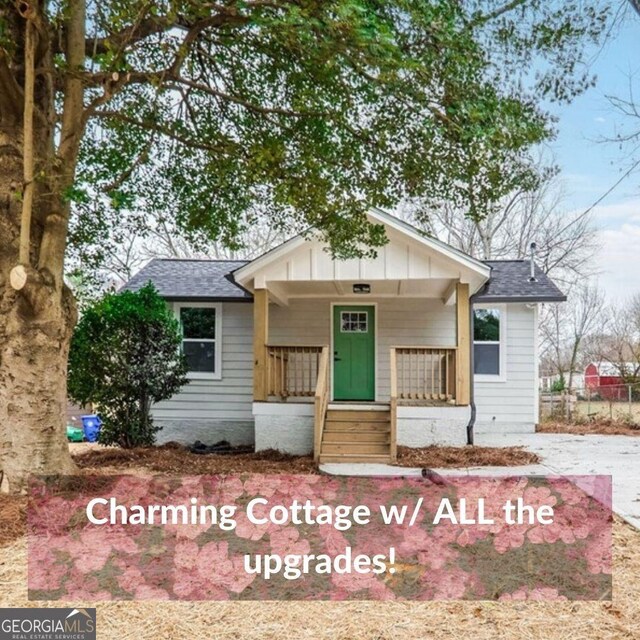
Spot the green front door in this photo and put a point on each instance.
(354, 351)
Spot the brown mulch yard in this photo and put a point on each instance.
(168, 459)
(175, 459)
(436, 457)
(13, 518)
(599, 427)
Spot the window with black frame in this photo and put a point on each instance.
(486, 341)
(199, 338)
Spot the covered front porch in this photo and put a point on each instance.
(352, 358)
(360, 369)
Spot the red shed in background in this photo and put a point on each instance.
(604, 379)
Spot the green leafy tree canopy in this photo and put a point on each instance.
(315, 110)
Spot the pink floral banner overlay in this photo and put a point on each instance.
(314, 537)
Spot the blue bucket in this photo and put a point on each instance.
(91, 425)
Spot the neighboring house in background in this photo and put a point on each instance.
(577, 380)
(604, 379)
(299, 352)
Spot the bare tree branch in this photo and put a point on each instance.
(565, 242)
(496, 13)
(565, 328)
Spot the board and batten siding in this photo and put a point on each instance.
(212, 410)
(511, 405)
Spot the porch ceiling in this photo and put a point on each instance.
(442, 288)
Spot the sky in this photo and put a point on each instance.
(590, 166)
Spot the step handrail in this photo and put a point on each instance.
(321, 402)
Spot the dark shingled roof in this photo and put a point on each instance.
(211, 280)
(206, 280)
(509, 282)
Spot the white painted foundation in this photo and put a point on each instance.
(497, 428)
(237, 433)
(284, 426)
(288, 427)
(424, 426)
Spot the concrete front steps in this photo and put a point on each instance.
(356, 434)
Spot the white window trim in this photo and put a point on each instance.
(204, 375)
(502, 343)
(366, 315)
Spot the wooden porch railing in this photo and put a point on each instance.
(321, 402)
(424, 373)
(292, 371)
(393, 406)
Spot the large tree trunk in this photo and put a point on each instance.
(36, 319)
(35, 331)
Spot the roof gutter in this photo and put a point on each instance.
(232, 279)
(515, 299)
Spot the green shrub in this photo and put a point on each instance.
(559, 385)
(125, 355)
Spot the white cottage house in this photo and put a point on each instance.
(347, 359)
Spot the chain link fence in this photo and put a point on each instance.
(619, 402)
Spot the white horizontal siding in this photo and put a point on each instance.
(303, 322)
(408, 322)
(512, 402)
(400, 321)
(230, 398)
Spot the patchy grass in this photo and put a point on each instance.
(620, 411)
(360, 620)
(596, 427)
(178, 460)
(438, 457)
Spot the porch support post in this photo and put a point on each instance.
(260, 340)
(463, 360)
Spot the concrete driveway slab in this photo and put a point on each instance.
(567, 454)
(561, 454)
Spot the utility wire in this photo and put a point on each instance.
(587, 211)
